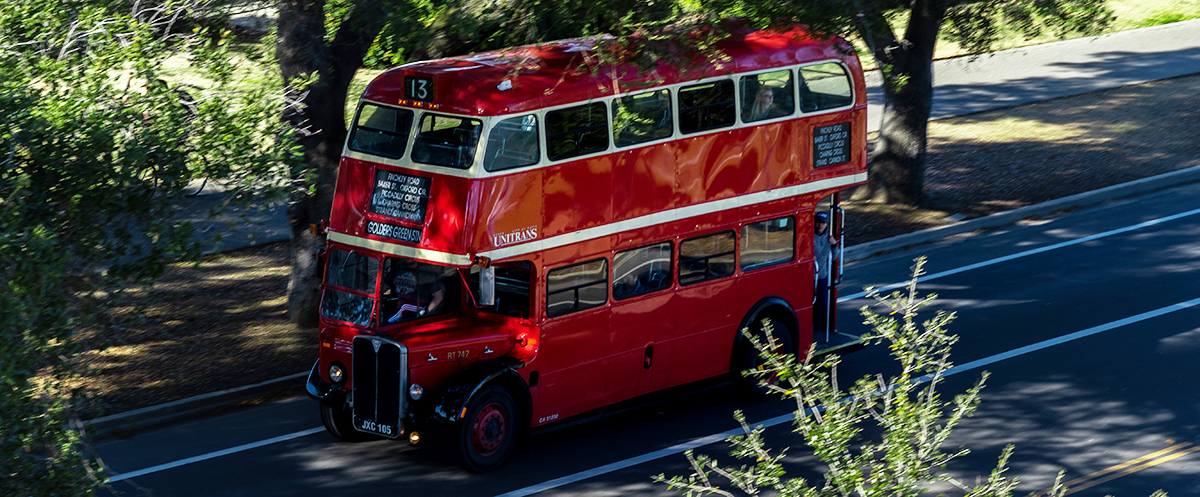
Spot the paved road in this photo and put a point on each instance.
(962, 86)
(1078, 317)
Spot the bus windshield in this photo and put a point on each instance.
(354, 272)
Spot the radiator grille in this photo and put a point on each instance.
(378, 373)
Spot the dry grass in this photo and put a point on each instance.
(201, 328)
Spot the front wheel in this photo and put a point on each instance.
(487, 433)
(338, 423)
(748, 358)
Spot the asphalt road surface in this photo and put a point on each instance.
(1089, 323)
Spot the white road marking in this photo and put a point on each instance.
(211, 455)
(1027, 253)
(785, 418)
(699, 442)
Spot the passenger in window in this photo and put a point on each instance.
(823, 245)
(628, 286)
(764, 104)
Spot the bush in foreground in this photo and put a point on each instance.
(908, 412)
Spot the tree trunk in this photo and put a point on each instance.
(897, 164)
(318, 113)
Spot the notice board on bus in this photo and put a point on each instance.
(402, 196)
(831, 145)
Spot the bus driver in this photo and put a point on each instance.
(413, 292)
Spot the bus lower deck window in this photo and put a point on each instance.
(706, 258)
(576, 287)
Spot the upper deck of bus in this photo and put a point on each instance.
(570, 71)
(448, 210)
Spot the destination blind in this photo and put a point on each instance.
(831, 145)
(401, 196)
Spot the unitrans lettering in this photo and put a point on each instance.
(518, 236)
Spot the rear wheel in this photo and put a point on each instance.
(338, 423)
(487, 433)
(748, 358)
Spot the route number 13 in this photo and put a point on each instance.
(418, 88)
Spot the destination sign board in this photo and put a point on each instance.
(831, 145)
(402, 196)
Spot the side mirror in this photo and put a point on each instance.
(487, 286)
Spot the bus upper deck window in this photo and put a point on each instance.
(706, 106)
(446, 141)
(575, 131)
(767, 96)
(824, 86)
(381, 130)
(642, 118)
(512, 143)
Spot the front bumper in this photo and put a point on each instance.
(323, 391)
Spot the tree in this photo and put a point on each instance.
(95, 145)
(906, 410)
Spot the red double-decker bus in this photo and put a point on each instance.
(521, 236)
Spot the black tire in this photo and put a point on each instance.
(486, 435)
(747, 358)
(338, 423)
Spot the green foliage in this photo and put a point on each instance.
(423, 29)
(1165, 18)
(976, 27)
(95, 145)
(912, 418)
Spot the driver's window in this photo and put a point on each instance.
(513, 283)
(413, 289)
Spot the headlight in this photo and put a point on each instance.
(415, 391)
(336, 373)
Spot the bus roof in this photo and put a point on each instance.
(527, 78)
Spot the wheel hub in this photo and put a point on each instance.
(487, 433)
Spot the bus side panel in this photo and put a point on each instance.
(573, 348)
(571, 365)
(508, 207)
(765, 161)
(643, 181)
(577, 195)
(783, 145)
(637, 323)
(351, 195)
(705, 320)
(446, 216)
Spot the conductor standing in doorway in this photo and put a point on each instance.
(823, 244)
